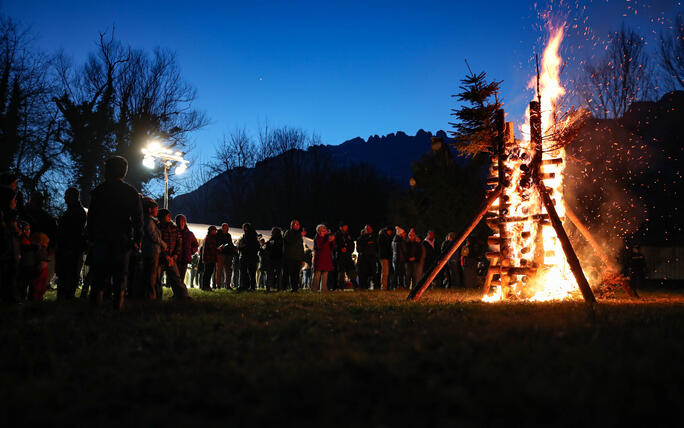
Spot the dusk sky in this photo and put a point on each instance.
(340, 69)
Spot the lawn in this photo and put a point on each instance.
(343, 359)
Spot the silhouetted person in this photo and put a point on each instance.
(248, 247)
(399, 248)
(224, 257)
(152, 247)
(344, 263)
(115, 228)
(188, 248)
(71, 245)
(385, 255)
(414, 253)
(453, 270)
(367, 247)
(209, 255)
(170, 256)
(430, 252)
(274, 248)
(293, 256)
(637, 268)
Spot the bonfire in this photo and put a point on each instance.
(531, 257)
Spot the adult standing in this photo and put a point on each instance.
(188, 249)
(322, 258)
(468, 266)
(385, 255)
(453, 269)
(71, 245)
(274, 249)
(293, 256)
(248, 248)
(152, 246)
(637, 268)
(344, 263)
(170, 256)
(209, 257)
(399, 248)
(114, 228)
(414, 253)
(429, 254)
(367, 247)
(224, 257)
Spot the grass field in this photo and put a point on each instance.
(343, 359)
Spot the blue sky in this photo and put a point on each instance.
(340, 69)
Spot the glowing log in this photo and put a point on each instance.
(438, 265)
(570, 255)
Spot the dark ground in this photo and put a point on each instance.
(343, 359)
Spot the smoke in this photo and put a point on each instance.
(606, 169)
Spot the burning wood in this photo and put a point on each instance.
(531, 255)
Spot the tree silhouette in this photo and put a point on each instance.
(475, 131)
(622, 76)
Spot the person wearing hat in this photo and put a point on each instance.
(344, 264)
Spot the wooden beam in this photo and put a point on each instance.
(570, 255)
(607, 261)
(427, 278)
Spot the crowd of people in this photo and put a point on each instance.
(124, 246)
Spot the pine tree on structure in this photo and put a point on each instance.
(475, 131)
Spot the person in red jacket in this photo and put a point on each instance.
(189, 247)
(322, 258)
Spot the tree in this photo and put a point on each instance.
(622, 76)
(475, 131)
(152, 101)
(671, 56)
(234, 159)
(444, 192)
(87, 111)
(116, 102)
(28, 120)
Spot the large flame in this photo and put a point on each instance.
(553, 279)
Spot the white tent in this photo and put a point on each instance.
(200, 231)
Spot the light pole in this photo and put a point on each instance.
(153, 151)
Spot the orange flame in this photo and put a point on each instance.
(553, 280)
